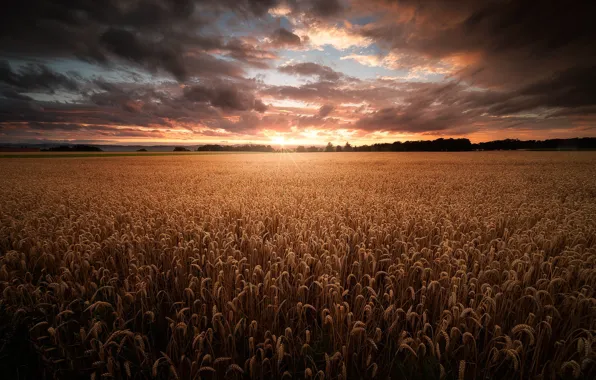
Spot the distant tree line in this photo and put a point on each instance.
(73, 148)
(460, 145)
(586, 143)
(302, 149)
(235, 148)
(438, 145)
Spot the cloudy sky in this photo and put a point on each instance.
(307, 72)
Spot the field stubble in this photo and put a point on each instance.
(326, 266)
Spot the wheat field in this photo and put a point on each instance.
(299, 266)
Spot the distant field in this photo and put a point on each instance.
(478, 265)
(105, 154)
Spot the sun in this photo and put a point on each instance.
(279, 140)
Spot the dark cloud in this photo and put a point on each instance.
(111, 95)
(572, 88)
(38, 126)
(518, 57)
(318, 9)
(206, 65)
(325, 73)
(34, 78)
(569, 92)
(12, 95)
(425, 108)
(248, 53)
(225, 96)
(154, 34)
(128, 45)
(246, 124)
(325, 110)
(255, 7)
(344, 91)
(99, 130)
(318, 92)
(107, 104)
(498, 43)
(326, 8)
(435, 107)
(146, 112)
(406, 119)
(284, 38)
(176, 37)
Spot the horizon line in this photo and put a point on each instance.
(271, 143)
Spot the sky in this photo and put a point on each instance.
(295, 72)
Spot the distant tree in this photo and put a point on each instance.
(329, 148)
(338, 148)
(301, 149)
(464, 145)
(235, 148)
(73, 148)
(348, 147)
(312, 149)
(141, 150)
(210, 148)
(181, 149)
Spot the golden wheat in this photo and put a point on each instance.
(363, 265)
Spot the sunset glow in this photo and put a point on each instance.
(305, 72)
(279, 140)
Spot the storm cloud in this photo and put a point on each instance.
(247, 69)
(311, 69)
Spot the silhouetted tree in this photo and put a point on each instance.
(550, 144)
(73, 148)
(439, 145)
(181, 149)
(235, 148)
(210, 148)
